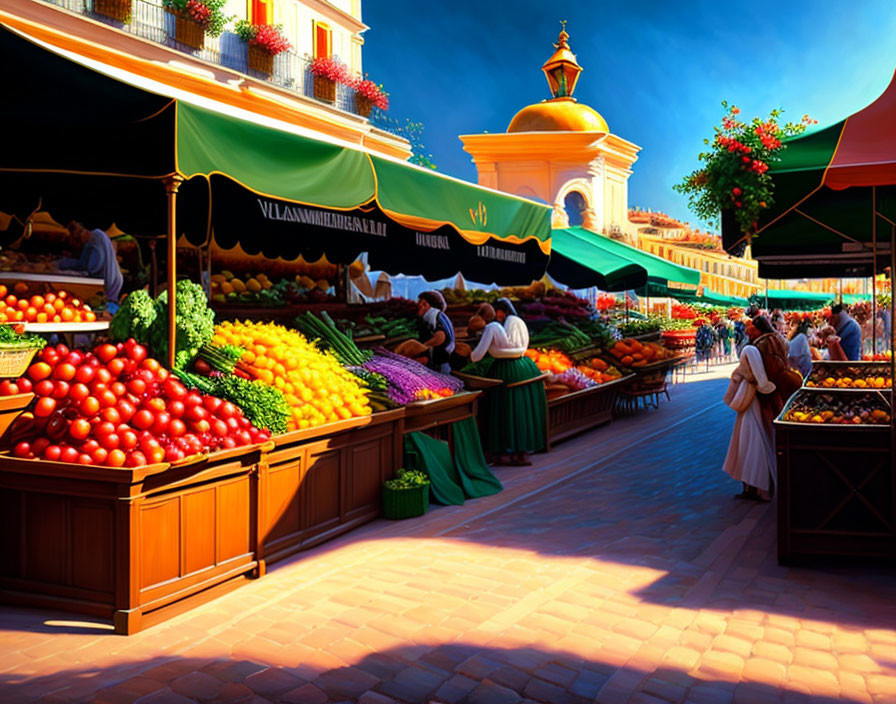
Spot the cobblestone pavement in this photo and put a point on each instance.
(617, 569)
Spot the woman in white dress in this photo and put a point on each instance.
(751, 454)
(516, 412)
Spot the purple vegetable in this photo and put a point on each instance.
(406, 377)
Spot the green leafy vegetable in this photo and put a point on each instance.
(134, 319)
(9, 338)
(407, 479)
(195, 323)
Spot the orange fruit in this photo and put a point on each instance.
(67, 314)
(62, 294)
(48, 308)
(57, 318)
(50, 297)
(90, 316)
(37, 301)
(20, 287)
(11, 301)
(2, 291)
(22, 304)
(31, 314)
(58, 303)
(41, 318)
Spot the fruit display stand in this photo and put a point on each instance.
(321, 482)
(429, 416)
(67, 330)
(81, 286)
(136, 546)
(582, 410)
(836, 482)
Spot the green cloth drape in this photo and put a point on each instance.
(434, 458)
(474, 473)
(453, 479)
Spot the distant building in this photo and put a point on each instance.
(561, 152)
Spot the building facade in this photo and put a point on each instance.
(148, 44)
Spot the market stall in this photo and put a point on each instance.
(833, 444)
(834, 215)
(320, 429)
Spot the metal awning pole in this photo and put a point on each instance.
(892, 362)
(172, 183)
(874, 272)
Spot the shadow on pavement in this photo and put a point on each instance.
(450, 673)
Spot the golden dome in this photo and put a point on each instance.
(558, 115)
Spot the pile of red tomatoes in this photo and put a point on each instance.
(118, 407)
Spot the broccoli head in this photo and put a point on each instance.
(134, 318)
(195, 322)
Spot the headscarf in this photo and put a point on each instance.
(509, 305)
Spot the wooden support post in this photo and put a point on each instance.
(172, 184)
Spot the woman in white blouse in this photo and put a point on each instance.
(516, 413)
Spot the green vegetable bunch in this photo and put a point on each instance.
(407, 479)
(264, 405)
(10, 338)
(195, 323)
(134, 318)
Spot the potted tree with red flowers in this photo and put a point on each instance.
(369, 95)
(327, 72)
(194, 18)
(265, 41)
(733, 178)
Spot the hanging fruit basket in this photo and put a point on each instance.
(261, 60)
(325, 89)
(118, 10)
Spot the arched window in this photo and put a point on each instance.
(574, 204)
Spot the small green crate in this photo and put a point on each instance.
(405, 503)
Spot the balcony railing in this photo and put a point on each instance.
(150, 21)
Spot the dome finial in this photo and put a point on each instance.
(562, 70)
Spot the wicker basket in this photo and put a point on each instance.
(363, 105)
(14, 361)
(188, 32)
(325, 89)
(405, 503)
(261, 60)
(118, 10)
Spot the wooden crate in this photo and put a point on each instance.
(322, 482)
(576, 412)
(133, 545)
(835, 492)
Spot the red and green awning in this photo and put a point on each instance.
(827, 185)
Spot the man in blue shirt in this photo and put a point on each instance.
(849, 332)
(97, 258)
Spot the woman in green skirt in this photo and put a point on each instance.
(516, 414)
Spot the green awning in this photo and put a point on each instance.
(664, 278)
(716, 299)
(851, 298)
(581, 263)
(789, 299)
(251, 179)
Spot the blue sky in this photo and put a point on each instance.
(657, 71)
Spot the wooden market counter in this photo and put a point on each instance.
(582, 410)
(138, 546)
(836, 491)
